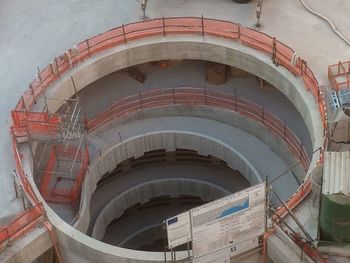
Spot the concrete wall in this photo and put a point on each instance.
(77, 247)
(28, 248)
(256, 129)
(143, 193)
(193, 47)
(168, 140)
(281, 249)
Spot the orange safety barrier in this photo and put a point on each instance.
(48, 186)
(339, 75)
(30, 221)
(195, 96)
(45, 181)
(30, 123)
(21, 224)
(75, 192)
(281, 54)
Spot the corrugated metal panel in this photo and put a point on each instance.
(336, 173)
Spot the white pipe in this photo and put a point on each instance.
(347, 41)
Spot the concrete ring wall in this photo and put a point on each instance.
(193, 47)
(168, 140)
(143, 234)
(76, 246)
(234, 119)
(144, 192)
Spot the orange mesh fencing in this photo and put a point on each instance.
(45, 181)
(48, 183)
(164, 26)
(75, 192)
(34, 123)
(194, 96)
(339, 75)
(21, 224)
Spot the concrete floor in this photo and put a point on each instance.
(33, 32)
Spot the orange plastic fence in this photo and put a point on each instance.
(48, 185)
(163, 26)
(195, 96)
(46, 179)
(339, 75)
(21, 224)
(31, 123)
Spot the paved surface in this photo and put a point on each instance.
(33, 32)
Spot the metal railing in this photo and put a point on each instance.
(196, 96)
(280, 53)
(339, 75)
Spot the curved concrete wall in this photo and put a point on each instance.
(231, 118)
(145, 192)
(168, 140)
(77, 247)
(141, 237)
(193, 47)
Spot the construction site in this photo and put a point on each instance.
(175, 131)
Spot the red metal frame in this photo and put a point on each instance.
(341, 69)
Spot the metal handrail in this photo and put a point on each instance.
(197, 97)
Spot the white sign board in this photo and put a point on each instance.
(178, 230)
(229, 221)
(221, 256)
(244, 246)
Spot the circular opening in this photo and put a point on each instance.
(187, 178)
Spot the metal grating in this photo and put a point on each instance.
(336, 173)
(333, 100)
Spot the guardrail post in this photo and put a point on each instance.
(263, 115)
(239, 31)
(124, 36)
(88, 46)
(32, 91)
(174, 101)
(235, 99)
(303, 67)
(24, 105)
(205, 96)
(39, 76)
(301, 149)
(58, 69)
(140, 99)
(202, 20)
(163, 26)
(274, 51)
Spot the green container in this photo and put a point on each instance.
(335, 218)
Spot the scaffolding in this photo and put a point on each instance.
(339, 75)
(62, 153)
